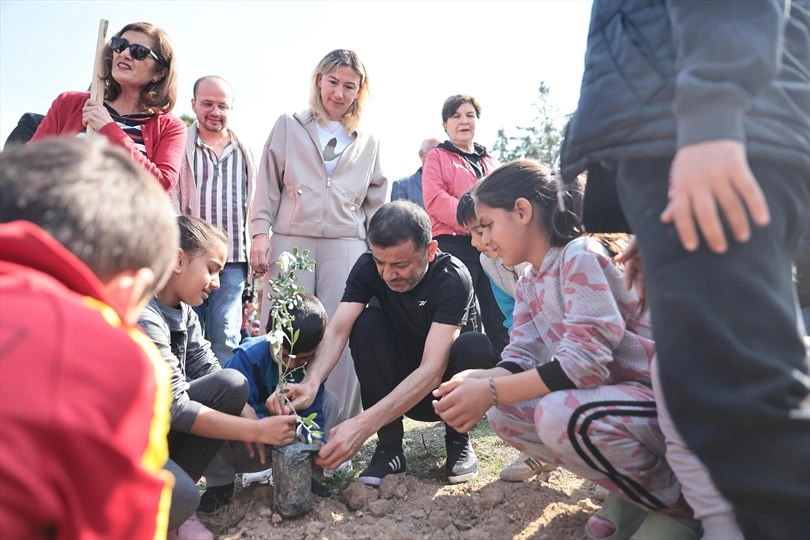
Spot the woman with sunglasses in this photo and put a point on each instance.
(319, 183)
(140, 89)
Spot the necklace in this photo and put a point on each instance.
(335, 125)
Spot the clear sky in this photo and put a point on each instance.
(417, 53)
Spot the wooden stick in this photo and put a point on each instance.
(97, 84)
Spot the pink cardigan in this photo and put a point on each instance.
(164, 136)
(445, 177)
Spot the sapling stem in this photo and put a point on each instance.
(285, 295)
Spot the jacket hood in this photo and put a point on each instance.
(479, 151)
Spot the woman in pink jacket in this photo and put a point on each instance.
(450, 170)
(140, 90)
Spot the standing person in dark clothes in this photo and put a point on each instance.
(701, 110)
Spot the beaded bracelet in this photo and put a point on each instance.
(492, 389)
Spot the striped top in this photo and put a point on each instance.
(129, 124)
(222, 192)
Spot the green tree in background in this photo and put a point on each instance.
(541, 140)
(187, 118)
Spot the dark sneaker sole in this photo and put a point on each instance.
(458, 479)
(374, 481)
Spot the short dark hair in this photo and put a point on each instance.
(465, 210)
(309, 320)
(452, 104)
(198, 236)
(94, 200)
(397, 222)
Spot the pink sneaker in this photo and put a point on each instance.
(192, 529)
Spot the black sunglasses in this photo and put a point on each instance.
(138, 52)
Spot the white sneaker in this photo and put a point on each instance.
(524, 468)
(261, 477)
(343, 469)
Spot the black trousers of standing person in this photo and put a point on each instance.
(492, 317)
(733, 367)
(383, 359)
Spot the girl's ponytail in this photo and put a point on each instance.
(565, 222)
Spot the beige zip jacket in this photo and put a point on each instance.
(294, 195)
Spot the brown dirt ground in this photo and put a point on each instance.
(421, 505)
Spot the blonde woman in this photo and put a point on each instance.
(319, 183)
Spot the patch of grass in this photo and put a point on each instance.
(425, 451)
(425, 454)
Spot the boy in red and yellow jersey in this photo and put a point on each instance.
(87, 237)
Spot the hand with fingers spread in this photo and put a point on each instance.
(710, 180)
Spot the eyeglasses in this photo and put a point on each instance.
(208, 105)
(138, 52)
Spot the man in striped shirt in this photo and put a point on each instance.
(216, 184)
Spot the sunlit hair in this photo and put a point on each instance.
(397, 222)
(452, 104)
(95, 200)
(197, 236)
(339, 57)
(309, 320)
(534, 182)
(156, 97)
